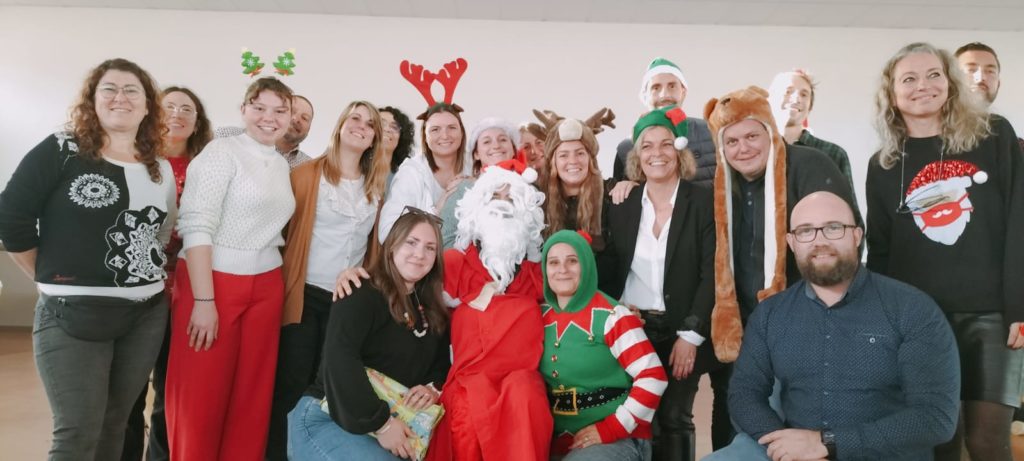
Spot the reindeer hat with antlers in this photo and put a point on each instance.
(561, 130)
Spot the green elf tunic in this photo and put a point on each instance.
(599, 367)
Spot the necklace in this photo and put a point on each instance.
(423, 318)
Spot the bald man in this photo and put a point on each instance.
(868, 365)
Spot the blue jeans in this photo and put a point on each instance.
(313, 435)
(92, 385)
(623, 450)
(742, 448)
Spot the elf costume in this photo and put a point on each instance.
(598, 364)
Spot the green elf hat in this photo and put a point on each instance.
(671, 117)
(656, 67)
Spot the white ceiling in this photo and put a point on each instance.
(992, 15)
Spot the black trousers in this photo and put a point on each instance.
(135, 432)
(674, 417)
(298, 361)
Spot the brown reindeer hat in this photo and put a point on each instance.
(560, 129)
(750, 103)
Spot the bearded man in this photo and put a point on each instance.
(868, 365)
(495, 401)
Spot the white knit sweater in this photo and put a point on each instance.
(237, 198)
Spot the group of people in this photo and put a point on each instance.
(551, 312)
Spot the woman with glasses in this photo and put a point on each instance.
(945, 212)
(229, 290)
(188, 131)
(336, 200)
(398, 132)
(397, 325)
(87, 214)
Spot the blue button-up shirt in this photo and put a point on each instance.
(879, 368)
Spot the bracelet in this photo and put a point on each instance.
(203, 300)
(384, 429)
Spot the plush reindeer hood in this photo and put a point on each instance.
(750, 103)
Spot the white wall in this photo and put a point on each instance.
(572, 68)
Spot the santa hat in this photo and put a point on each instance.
(671, 117)
(747, 104)
(940, 171)
(488, 123)
(659, 66)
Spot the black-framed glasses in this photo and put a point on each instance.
(409, 209)
(831, 231)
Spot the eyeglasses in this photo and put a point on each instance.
(108, 92)
(831, 231)
(409, 209)
(181, 111)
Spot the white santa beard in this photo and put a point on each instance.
(948, 234)
(503, 244)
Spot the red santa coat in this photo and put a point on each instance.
(496, 405)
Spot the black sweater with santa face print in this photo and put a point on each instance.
(99, 226)
(953, 228)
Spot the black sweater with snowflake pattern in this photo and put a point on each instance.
(99, 225)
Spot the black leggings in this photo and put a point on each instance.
(985, 428)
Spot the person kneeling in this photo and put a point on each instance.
(603, 376)
(396, 325)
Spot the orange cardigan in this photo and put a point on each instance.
(306, 185)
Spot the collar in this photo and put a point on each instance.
(647, 202)
(856, 286)
(248, 141)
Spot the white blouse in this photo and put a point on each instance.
(344, 219)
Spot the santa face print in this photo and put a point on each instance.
(443, 134)
(746, 145)
(120, 101)
(572, 162)
(797, 101)
(665, 90)
(939, 200)
(659, 158)
(920, 86)
(493, 146)
(357, 130)
(414, 256)
(179, 116)
(563, 270)
(266, 117)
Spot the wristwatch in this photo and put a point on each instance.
(829, 440)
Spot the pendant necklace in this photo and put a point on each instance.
(423, 318)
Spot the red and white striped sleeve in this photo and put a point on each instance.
(625, 337)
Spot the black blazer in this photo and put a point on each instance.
(689, 287)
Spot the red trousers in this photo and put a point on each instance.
(218, 401)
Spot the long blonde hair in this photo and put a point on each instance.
(372, 164)
(965, 121)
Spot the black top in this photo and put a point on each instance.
(959, 239)
(689, 285)
(361, 333)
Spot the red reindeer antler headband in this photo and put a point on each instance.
(423, 79)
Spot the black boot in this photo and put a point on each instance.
(675, 447)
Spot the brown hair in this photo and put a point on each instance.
(388, 280)
(591, 197)
(372, 165)
(203, 132)
(978, 46)
(460, 153)
(687, 164)
(964, 121)
(91, 137)
(272, 85)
